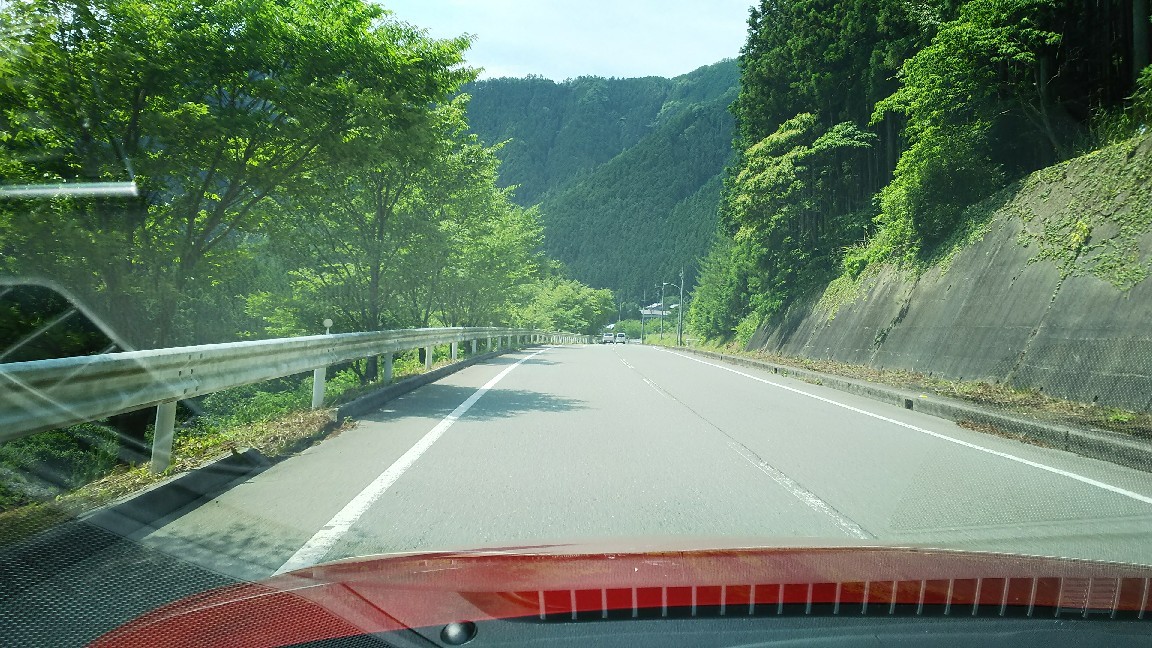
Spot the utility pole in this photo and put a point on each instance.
(680, 315)
(680, 306)
(662, 311)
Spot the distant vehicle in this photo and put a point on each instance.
(621, 338)
(608, 338)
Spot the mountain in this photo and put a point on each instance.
(628, 172)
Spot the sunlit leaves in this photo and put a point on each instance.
(212, 107)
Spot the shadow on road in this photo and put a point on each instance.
(540, 361)
(437, 401)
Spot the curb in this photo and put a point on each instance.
(1097, 444)
(142, 510)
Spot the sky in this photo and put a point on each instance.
(562, 39)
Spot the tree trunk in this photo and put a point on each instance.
(1139, 38)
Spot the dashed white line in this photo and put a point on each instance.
(657, 388)
(322, 542)
(803, 494)
(1056, 471)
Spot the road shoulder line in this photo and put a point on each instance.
(1057, 471)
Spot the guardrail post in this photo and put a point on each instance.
(455, 350)
(388, 368)
(474, 343)
(428, 358)
(318, 387)
(162, 437)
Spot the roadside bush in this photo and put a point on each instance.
(38, 467)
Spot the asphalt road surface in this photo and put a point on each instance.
(588, 443)
(575, 444)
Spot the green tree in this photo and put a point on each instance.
(983, 77)
(210, 107)
(567, 305)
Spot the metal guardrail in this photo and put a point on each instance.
(47, 394)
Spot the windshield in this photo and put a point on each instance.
(284, 283)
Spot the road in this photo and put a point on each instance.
(589, 443)
(564, 444)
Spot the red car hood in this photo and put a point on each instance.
(562, 583)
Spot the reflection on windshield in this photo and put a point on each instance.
(286, 283)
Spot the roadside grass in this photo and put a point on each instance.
(274, 418)
(1027, 402)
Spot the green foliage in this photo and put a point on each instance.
(827, 57)
(1096, 216)
(1127, 121)
(959, 99)
(720, 297)
(210, 107)
(417, 238)
(653, 206)
(567, 305)
(973, 82)
(786, 240)
(255, 403)
(294, 161)
(37, 323)
(627, 171)
(630, 327)
(38, 466)
(936, 178)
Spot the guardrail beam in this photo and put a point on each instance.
(49, 394)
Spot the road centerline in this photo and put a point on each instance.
(795, 489)
(314, 550)
(1004, 455)
(806, 496)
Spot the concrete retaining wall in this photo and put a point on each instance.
(996, 315)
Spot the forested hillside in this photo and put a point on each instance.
(866, 132)
(627, 171)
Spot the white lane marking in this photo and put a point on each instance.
(322, 542)
(1056, 471)
(657, 388)
(626, 363)
(787, 483)
(802, 494)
